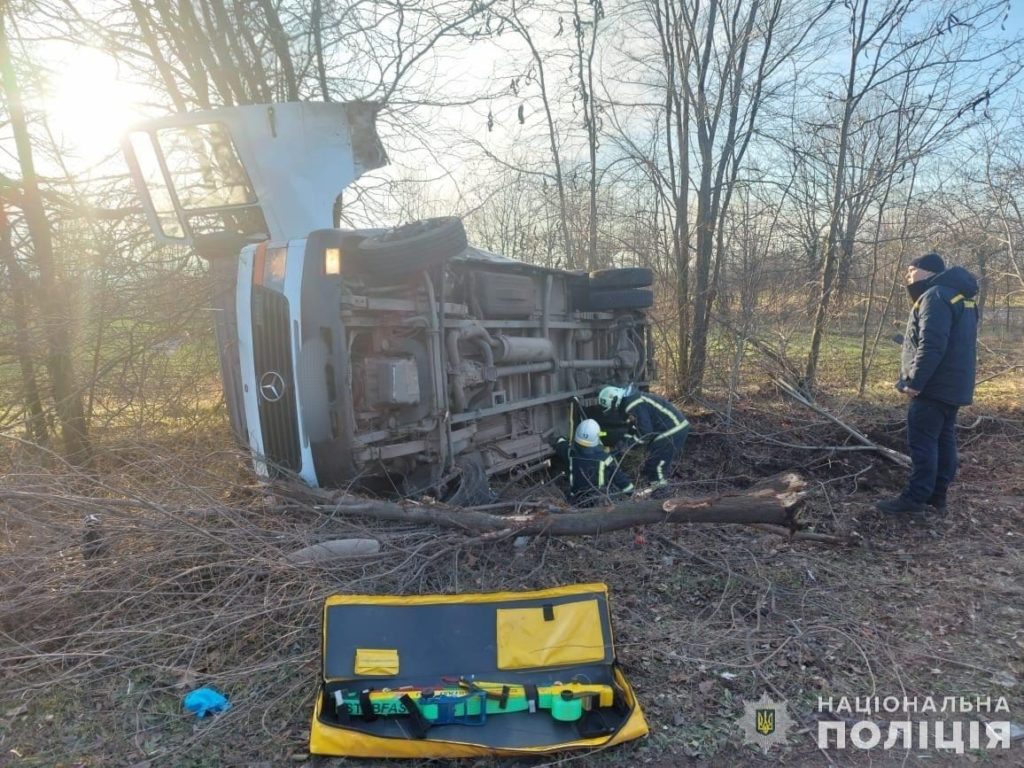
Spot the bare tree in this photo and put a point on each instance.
(52, 290)
(934, 61)
(35, 422)
(586, 48)
(716, 63)
(1004, 183)
(537, 72)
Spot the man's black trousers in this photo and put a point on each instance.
(662, 454)
(931, 437)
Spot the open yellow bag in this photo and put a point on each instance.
(503, 673)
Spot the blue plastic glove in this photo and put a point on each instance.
(204, 700)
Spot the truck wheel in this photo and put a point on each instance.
(413, 247)
(625, 277)
(471, 486)
(626, 298)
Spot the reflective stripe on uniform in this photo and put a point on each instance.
(680, 426)
(662, 409)
(968, 303)
(653, 403)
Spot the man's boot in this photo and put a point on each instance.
(900, 507)
(937, 502)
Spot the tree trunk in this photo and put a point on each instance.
(556, 155)
(166, 73)
(585, 71)
(675, 58)
(681, 242)
(829, 267)
(702, 283)
(35, 424)
(774, 501)
(279, 40)
(316, 21)
(255, 56)
(195, 75)
(200, 42)
(52, 293)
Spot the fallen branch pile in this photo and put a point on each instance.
(894, 456)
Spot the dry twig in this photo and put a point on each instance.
(895, 456)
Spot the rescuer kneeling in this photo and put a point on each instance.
(594, 473)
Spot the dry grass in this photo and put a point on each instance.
(191, 589)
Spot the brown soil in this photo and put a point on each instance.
(188, 588)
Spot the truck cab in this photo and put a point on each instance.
(402, 358)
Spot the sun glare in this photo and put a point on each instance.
(89, 106)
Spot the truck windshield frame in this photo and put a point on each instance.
(208, 185)
(207, 171)
(145, 156)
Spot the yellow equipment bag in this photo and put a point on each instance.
(503, 673)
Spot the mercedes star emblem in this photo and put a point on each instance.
(272, 386)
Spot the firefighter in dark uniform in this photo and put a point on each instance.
(656, 422)
(593, 472)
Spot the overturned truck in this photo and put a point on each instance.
(403, 359)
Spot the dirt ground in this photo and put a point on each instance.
(187, 587)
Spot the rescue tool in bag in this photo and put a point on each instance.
(467, 702)
(532, 673)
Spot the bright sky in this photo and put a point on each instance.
(1015, 22)
(89, 105)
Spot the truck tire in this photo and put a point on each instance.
(412, 247)
(625, 277)
(470, 487)
(625, 298)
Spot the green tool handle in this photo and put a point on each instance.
(565, 706)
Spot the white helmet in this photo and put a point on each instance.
(588, 433)
(610, 397)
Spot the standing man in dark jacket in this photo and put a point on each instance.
(657, 424)
(937, 374)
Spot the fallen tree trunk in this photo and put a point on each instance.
(773, 501)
